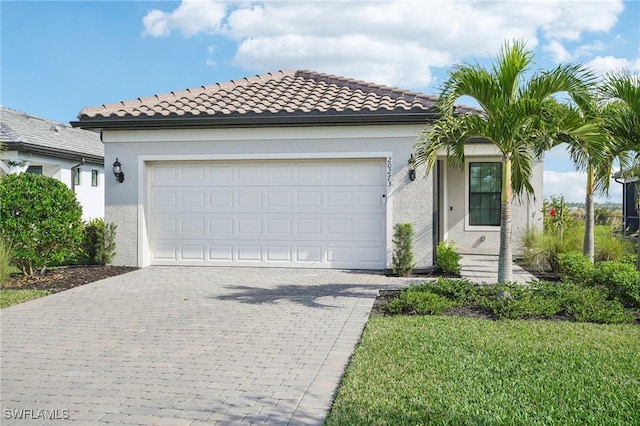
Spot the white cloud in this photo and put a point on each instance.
(395, 42)
(572, 185)
(571, 19)
(604, 64)
(589, 49)
(557, 50)
(190, 18)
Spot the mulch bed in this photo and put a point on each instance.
(64, 278)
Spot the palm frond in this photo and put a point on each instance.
(513, 61)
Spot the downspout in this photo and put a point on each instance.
(73, 181)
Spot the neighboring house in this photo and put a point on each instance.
(290, 169)
(73, 156)
(630, 202)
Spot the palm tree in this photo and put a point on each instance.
(515, 118)
(622, 120)
(591, 151)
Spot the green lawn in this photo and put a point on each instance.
(13, 297)
(438, 370)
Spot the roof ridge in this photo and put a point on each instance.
(38, 117)
(365, 86)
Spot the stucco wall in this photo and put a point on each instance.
(525, 213)
(126, 203)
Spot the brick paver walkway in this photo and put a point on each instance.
(483, 268)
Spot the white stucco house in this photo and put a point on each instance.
(73, 156)
(290, 169)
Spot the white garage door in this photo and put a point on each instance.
(292, 213)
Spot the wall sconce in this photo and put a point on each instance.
(117, 171)
(412, 168)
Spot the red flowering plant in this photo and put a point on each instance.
(555, 215)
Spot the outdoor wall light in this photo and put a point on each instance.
(412, 168)
(117, 171)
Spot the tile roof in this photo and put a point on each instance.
(279, 94)
(28, 131)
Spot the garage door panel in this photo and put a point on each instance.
(320, 213)
(270, 227)
(257, 253)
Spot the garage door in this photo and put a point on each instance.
(291, 213)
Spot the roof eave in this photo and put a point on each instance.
(54, 152)
(245, 121)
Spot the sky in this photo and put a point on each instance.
(57, 57)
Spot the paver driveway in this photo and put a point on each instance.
(186, 346)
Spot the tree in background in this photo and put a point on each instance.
(517, 117)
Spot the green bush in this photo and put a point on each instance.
(41, 219)
(99, 242)
(593, 305)
(460, 291)
(620, 279)
(419, 302)
(403, 260)
(513, 301)
(575, 267)
(447, 258)
(5, 261)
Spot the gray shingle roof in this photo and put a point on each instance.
(27, 132)
(282, 94)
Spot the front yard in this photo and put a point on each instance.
(441, 370)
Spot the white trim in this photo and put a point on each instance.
(389, 208)
(264, 156)
(445, 200)
(144, 252)
(184, 136)
(468, 227)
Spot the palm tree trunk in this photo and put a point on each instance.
(505, 259)
(588, 248)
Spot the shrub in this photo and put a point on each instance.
(513, 301)
(419, 302)
(462, 292)
(593, 305)
(99, 242)
(41, 218)
(620, 279)
(403, 261)
(5, 261)
(575, 267)
(448, 258)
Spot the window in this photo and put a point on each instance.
(485, 182)
(76, 175)
(94, 177)
(36, 170)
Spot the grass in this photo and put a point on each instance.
(439, 370)
(13, 297)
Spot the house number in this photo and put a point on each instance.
(389, 171)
